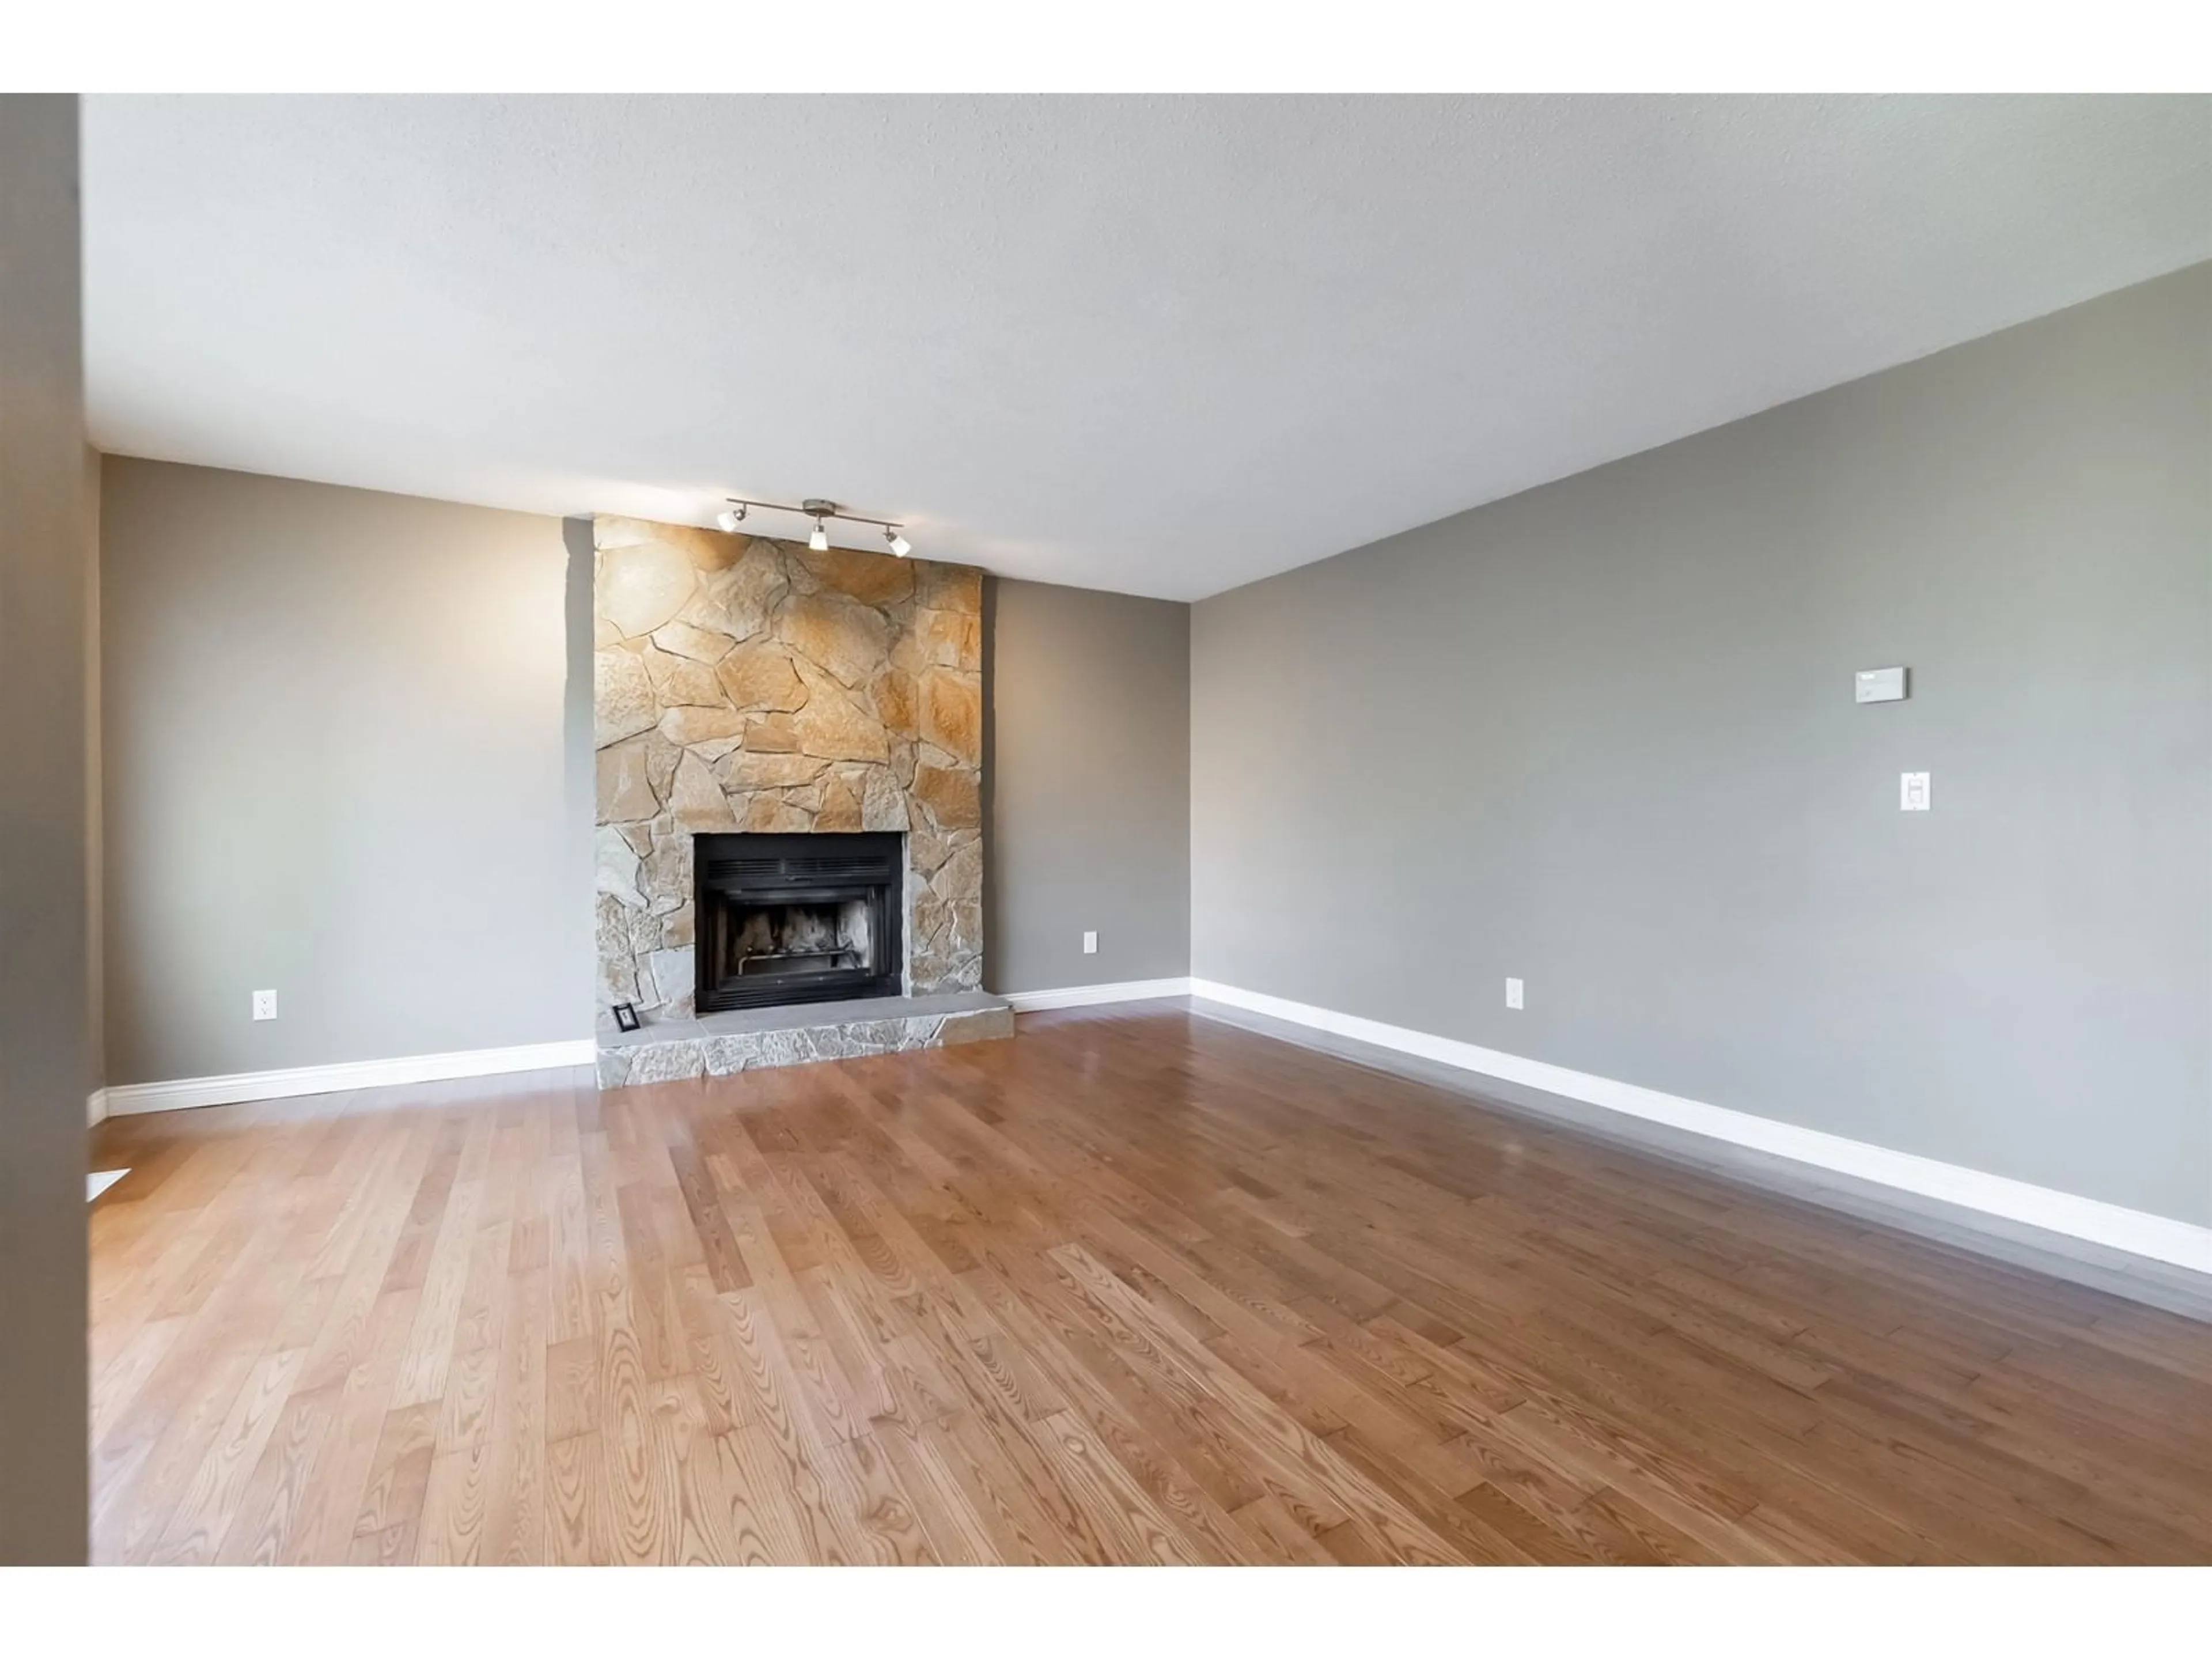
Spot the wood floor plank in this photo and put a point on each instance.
(570, 1468)
(399, 1473)
(210, 1501)
(765, 1523)
(259, 1530)
(1132, 1287)
(1142, 1530)
(868, 1490)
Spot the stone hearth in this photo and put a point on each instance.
(718, 1044)
(742, 684)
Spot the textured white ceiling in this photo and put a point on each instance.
(1159, 345)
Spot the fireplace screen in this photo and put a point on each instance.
(809, 918)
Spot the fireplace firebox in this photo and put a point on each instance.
(801, 918)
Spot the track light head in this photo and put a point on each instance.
(731, 517)
(819, 541)
(900, 546)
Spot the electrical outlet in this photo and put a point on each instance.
(265, 1005)
(1513, 994)
(1090, 944)
(1911, 792)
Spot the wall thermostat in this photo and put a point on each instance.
(1879, 684)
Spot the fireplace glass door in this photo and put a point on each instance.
(798, 918)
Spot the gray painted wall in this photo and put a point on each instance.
(1600, 736)
(1088, 776)
(336, 724)
(43, 1006)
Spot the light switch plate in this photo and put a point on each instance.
(1090, 944)
(1879, 685)
(1911, 792)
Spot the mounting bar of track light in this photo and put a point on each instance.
(821, 511)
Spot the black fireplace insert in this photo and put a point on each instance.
(803, 918)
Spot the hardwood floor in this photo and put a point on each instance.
(1132, 1287)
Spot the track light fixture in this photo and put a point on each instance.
(821, 511)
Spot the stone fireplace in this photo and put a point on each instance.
(789, 801)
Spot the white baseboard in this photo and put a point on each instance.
(95, 1107)
(1083, 996)
(123, 1098)
(2158, 1238)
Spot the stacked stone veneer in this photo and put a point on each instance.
(741, 683)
